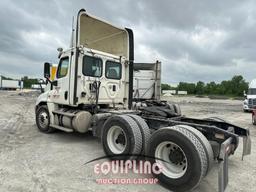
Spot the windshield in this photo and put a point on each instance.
(252, 91)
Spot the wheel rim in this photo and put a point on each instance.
(172, 159)
(43, 119)
(116, 140)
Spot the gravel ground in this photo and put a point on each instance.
(33, 161)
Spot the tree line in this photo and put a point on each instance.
(234, 87)
(28, 82)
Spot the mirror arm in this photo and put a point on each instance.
(51, 82)
(48, 80)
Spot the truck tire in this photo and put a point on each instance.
(177, 109)
(43, 119)
(145, 131)
(121, 138)
(184, 161)
(206, 144)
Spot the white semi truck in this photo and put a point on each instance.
(250, 97)
(97, 89)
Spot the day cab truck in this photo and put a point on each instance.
(95, 90)
(250, 97)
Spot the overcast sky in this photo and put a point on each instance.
(195, 40)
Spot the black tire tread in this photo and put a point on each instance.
(198, 151)
(207, 146)
(132, 132)
(199, 147)
(144, 129)
(136, 133)
(50, 129)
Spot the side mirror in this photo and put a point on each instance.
(47, 69)
(245, 95)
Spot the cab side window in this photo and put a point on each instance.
(92, 66)
(113, 70)
(63, 67)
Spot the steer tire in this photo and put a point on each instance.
(43, 119)
(207, 146)
(194, 157)
(130, 131)
(145, 131)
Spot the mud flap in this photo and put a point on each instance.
(246, 144)
(223, 165)
(223, 174)
(225, 149)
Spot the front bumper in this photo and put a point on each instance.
(247, 108)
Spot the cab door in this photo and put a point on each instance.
(112, 86)
(61, 92)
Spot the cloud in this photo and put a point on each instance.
(195, 40)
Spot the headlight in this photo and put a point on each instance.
(246, 102)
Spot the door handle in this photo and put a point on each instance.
(114, 88)
(66, 95)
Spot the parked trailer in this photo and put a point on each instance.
(172, 92)
(93, 90)
(38, 86)
(10, 84)
(182, 92)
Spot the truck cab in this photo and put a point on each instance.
(98, 53)
(94, 67)
(250, 98)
